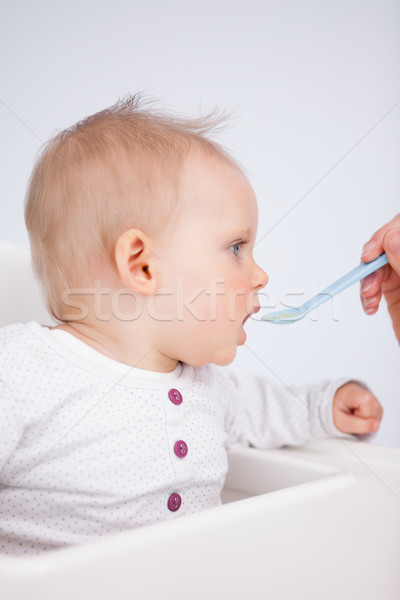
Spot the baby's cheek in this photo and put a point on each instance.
(238, 299)
(228, 303)
(220, 300)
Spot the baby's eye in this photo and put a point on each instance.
(236, 248)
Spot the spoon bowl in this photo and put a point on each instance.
(291, 315)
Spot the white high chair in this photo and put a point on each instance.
(318, 522)
(20, 300)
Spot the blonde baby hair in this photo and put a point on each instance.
(115, 170)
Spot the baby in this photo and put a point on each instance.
(141, 232)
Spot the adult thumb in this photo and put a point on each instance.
(391, 245)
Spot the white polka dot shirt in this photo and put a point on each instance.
(90, 446)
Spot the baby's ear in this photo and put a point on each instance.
(135, 262)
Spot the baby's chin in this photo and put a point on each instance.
(227, 359)
(222, 359)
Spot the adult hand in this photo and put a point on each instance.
(385, 281)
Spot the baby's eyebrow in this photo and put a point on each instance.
(244, 233)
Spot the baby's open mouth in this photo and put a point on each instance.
(253, 312)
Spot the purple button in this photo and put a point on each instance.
(180, 448)
(174, 502)
(175, 396)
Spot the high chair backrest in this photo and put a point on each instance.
(20, 298)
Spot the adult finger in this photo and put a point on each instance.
(374, 247)
(371, 304)
(371, 285)
(391, 245)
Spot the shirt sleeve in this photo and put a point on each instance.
(264, 415)
(11, 426)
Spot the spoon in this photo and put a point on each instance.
(290, 315)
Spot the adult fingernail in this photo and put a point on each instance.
(366, 283)
(369, 301)
(375, 426)
(368, 248)
(392, 241)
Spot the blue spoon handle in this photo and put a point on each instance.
(346, 281)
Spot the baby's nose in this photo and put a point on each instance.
(260, 278)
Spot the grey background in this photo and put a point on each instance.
(315, 92)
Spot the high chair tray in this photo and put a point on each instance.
(321, 521)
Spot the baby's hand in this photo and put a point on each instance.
(356, 410)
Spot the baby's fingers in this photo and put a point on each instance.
(356, 410)
(369, 407)
(358, 425)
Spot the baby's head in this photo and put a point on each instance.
(140, 212)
